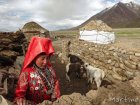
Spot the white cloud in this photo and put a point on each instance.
(126, 1)
(52, 14)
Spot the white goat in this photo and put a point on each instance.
(94, 73)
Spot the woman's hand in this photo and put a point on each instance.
(21, 101)
(53, 99)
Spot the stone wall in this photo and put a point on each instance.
(10, 47)
(118, 64)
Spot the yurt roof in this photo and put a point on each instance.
(96, 25)
(33, 26)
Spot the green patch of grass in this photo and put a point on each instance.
(127, 32)
(119, 32)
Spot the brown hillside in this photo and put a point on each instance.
(117, 16)
(121, 15)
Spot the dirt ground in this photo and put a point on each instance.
(75, 85)
(128, 43)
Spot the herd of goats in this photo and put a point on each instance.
(83, 69)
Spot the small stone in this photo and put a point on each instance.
(137, 54)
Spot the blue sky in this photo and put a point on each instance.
(51, 14)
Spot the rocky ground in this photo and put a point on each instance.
(128, 43)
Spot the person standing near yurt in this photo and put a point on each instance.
(37, 81)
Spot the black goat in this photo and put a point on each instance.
(75, 59)
(73, 68)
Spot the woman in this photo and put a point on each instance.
(37, 81)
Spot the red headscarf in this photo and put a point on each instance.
(37, 45)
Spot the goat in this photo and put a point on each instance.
(94, 73)
(74, 59)
(73, 68)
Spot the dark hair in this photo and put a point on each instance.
(42, 53)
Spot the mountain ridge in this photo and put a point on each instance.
(118, 16)
(121, 15)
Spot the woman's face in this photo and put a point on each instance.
(41, 61)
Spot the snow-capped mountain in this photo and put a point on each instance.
(119, 15)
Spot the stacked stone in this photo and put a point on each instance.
(65, 51)
(10, 47)
(117, 63)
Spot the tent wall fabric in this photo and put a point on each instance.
(95, 36)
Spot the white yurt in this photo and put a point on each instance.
(97, 31)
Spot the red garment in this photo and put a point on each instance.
(30, 84)
(37, 45)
